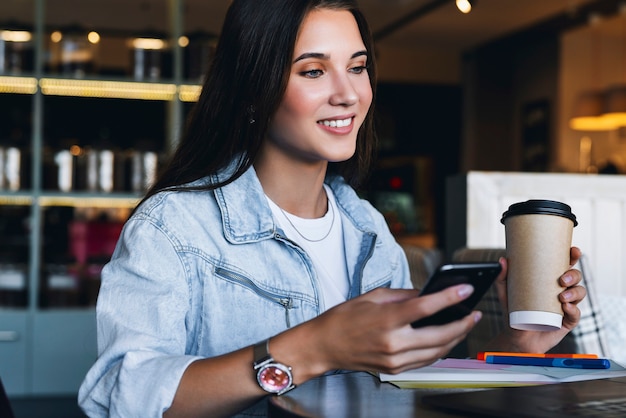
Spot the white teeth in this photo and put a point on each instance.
(337, 123)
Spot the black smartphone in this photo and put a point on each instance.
(479, 275)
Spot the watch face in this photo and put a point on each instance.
(274, 377)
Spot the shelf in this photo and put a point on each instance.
(189, 93)
(57, 241)
(89, 200)
(18, 85)
(78, 200)
(100, 88)
(15, 199)
(107, 89)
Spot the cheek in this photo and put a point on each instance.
(300, 102)
(365, 93)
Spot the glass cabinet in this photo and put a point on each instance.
(93, 95)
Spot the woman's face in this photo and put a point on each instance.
(328, 93)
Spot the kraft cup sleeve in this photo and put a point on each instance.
(538, 253)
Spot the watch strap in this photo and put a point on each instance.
(262, 353)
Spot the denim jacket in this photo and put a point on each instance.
(197, 274)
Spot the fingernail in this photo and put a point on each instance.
(465, 290)
(567, 295)
(477, 316)
(568, 279)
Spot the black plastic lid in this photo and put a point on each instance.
(540, 207)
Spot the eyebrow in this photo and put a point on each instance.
(319, 55)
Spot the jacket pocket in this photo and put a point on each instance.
(286, 302)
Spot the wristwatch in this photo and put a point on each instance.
(272, 376)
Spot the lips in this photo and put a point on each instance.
(336, 123)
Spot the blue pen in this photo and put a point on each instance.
(572, 363)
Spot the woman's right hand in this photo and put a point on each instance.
(372, 332)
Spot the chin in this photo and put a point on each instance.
(339, 157)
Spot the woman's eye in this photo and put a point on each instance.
(312, 73)
(358, 70)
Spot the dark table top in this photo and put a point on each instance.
(352, 395)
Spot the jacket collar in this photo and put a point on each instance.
(247, 217)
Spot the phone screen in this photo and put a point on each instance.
(479, 275)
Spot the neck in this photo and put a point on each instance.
(296, 187)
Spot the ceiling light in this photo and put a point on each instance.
(587, 115)
(56, 36)
(93, 37)
(615, 105)
(15, 35)
(464, 6)
(148, 43)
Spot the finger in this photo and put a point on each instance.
(427, 305)
(505, 269)
(570, 278)
(386, 295)
(436, 335)
(573, 295)
(424, 345)
(574, 255)
(571, 315)
(407, 360)
(416, 358)
(446, 336)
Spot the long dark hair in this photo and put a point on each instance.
(247, 80)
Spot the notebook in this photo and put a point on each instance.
(591, 398)
(455, 373)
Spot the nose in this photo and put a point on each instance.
(344, 92)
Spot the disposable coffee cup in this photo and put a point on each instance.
(538, 241)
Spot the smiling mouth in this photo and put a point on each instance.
(336, 123)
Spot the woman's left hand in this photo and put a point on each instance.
(542, 341)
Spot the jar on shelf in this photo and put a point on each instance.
(65, 165)
(150, 51)
(10, 168)
(16, 48)
(87, 169)
(199, 50)
(13, 284)
(143, 169)
(74, 51)
(61, 284)
(93, 238)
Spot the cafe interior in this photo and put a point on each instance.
(480, 104)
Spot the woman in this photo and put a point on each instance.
(253, 233)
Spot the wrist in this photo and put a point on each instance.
(298, 348)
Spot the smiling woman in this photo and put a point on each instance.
(252, 266)
(327, 98)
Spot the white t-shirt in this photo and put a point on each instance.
(322, 240)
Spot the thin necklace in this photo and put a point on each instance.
(332, 222)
